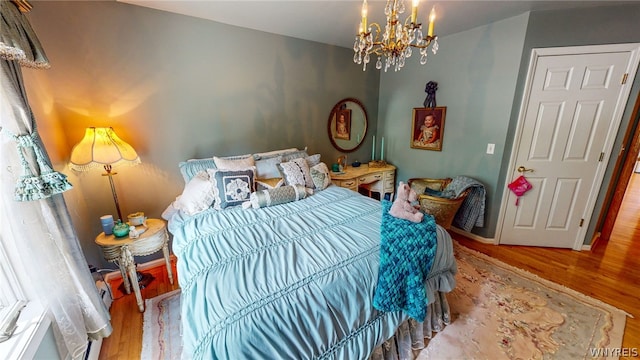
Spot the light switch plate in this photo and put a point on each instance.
(491, 148)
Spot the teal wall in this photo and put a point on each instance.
(177, 87)
(476, 72)
(481, 75)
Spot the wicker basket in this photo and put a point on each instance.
(442, 209)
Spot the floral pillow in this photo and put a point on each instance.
(296, 172)
(320, 176)
(231, 187)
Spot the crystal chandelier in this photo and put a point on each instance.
(396, 42)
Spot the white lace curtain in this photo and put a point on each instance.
(36, 222)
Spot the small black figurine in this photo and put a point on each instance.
(430, 89)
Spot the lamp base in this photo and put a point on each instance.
(144, 279)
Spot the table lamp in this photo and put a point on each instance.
(102, 147)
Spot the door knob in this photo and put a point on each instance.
(522, 169)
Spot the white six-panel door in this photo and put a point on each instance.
(571, 112)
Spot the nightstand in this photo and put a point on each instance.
(122, 250)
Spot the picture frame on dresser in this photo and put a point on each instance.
(427, 129)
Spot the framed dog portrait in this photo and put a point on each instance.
(427, 128)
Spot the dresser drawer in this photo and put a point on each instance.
(349, 184)
(389, 175)
(369, 178)
(389, 185)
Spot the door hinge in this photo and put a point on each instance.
(601, 157)
(581, 222)
(624, 78)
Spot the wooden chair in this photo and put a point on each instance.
(442, 209)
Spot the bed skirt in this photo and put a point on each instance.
(411, 334)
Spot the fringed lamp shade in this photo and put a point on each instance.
(100, 147)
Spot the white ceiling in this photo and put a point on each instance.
(336, 22)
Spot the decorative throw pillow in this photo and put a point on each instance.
(295, 155)
(313, 160)
(281, 195)
(231, 187)
(320, 176)
(191, 167)
(267, 168)
(296, 172)
(274, 153)
(272, 183)
(197, 196)
(237, 163)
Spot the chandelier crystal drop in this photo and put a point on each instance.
(395, 43)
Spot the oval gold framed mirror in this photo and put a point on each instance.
(347, 125)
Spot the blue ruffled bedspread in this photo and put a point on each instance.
(407, 251)
(291, 281)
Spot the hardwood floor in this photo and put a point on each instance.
(125, 341)
(610, 272)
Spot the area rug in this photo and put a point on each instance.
(501, 312)
(498, 312)
(161, 332)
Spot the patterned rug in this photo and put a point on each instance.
(162, 335)
(501, 312)
(498, 312)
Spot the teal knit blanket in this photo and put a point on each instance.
(407, 250)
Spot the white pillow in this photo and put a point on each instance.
(171, 210)
(296, 172)
(234, 164)
(197, 195)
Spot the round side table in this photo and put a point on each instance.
(122, 250)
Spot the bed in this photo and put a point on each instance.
(296, 281)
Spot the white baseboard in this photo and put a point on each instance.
(114, 275)
(485, 240)
(478, 238)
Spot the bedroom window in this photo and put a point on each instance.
(10, 288)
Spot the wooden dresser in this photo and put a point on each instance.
(379, 180)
